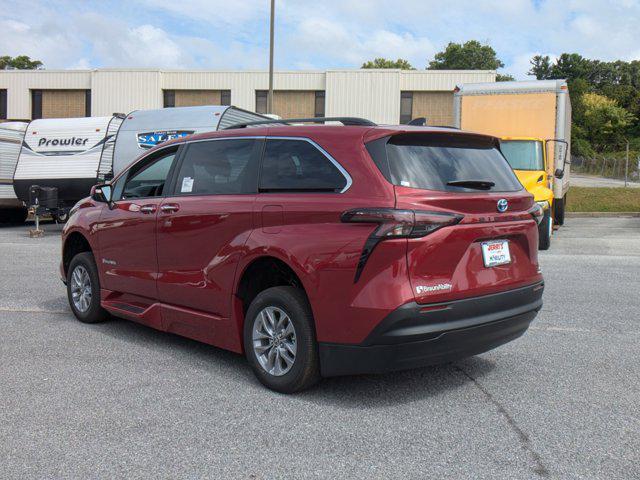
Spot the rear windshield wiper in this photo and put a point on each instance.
(475, 184)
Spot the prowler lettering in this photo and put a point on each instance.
(62, 141)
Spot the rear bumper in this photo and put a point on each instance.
(419, 335)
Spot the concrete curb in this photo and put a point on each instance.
(602, 214)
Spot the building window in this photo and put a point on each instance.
(3, 104)
(406, 107)
(169, 98)
(36, 104)
(225, 97)
(319, 105)
(87, 103)
(261, 101)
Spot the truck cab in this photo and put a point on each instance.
(528, 159)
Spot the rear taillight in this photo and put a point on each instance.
(395, 223)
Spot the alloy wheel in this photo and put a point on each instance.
(274, 341)
(81, 289)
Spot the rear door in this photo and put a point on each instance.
(494, 247)
(202, 228)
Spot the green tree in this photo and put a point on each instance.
(21, 62)
(471, 55)
(501, 77)
(573, 65)
(617, 88)
(386, 63)
(540, 67)
(604, 121)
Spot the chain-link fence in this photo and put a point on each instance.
(611, 166)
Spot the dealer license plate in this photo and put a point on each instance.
(496, 253)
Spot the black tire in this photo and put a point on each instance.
(5, 216)
(94, 313)
(559, 209)
(60, 217)
(21, 215)
(544, 231)
(14, 215)
(305, 371)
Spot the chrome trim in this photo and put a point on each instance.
(335, 163)
(239, 137)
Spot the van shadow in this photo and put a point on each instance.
(397, 388)
(184, 351)
(351, 392)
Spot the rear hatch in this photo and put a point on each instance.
(491, 245)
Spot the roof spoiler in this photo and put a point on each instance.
(347, 121)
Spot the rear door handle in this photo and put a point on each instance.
(169, 208)
(148, 209)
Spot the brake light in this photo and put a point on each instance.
(395, 223)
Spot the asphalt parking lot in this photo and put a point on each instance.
(122, 400)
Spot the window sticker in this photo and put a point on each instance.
(187, 185)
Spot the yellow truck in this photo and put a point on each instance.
(533, 121)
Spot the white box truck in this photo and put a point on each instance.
(533, 121)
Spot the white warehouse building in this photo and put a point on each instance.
(384, 96)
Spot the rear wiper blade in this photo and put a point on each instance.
(476, 184)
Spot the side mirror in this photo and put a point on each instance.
(101, 193)
(563, 154)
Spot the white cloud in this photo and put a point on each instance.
(328, 34)
(318, 38)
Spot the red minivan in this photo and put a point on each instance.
(317, 250)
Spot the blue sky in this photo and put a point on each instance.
(215, 34)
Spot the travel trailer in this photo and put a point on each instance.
(12, 210)
(61, 159)
(533, 121)
(144, 129)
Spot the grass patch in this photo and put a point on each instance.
(608, 199)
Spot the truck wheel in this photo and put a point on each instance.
(559, 207)
(544, 231)
(83, 289)
(280, 341)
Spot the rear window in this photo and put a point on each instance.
(435, 161)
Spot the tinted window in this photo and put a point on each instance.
(148, 180)
(218, 167)
(298, 166)
(432, 161)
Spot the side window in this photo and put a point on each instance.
(148, 179)
(118, 186)
(218, 167)
(298, 166)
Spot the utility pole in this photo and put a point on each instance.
(270, 93)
